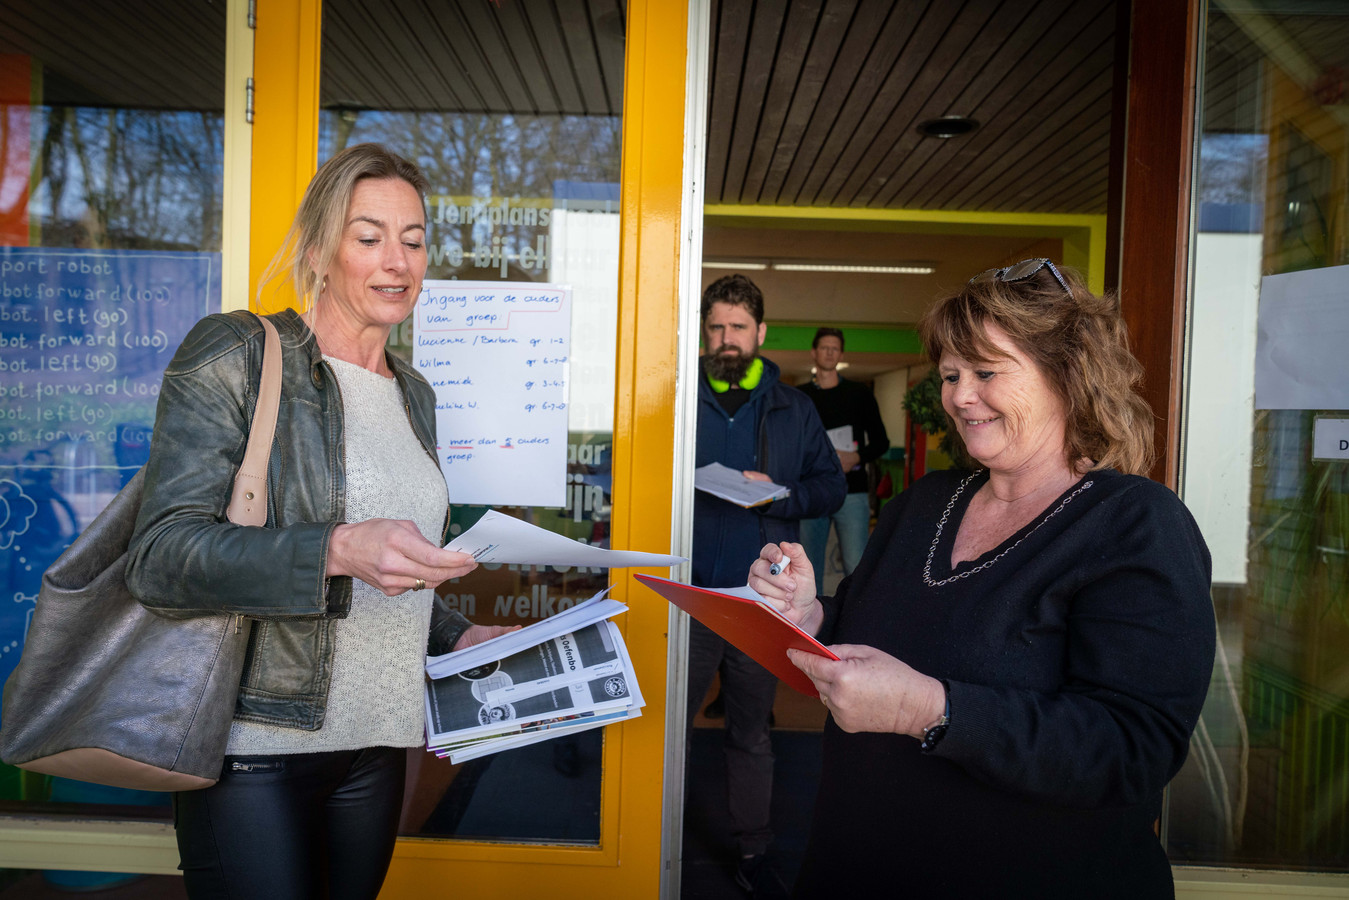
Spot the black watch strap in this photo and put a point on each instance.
(933, 733)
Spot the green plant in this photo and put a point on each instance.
(922, 401)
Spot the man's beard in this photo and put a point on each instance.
(730, 367)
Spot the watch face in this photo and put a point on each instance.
(933, 736)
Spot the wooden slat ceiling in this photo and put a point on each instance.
(817, 103)
(541, 57)
(159, 54)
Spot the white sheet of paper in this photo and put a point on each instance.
(574, 618)
(840, 438)
(1302, 329)
(497, 354)
(730, 485)
(498, 538)
(473, 751)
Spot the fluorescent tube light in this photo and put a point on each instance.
(732, 264)
(840, 267)
(865, 269)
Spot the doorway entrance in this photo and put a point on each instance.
(862, 160)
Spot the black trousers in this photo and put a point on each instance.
(749, 690)
(309, 826)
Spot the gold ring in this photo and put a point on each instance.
(418, 585)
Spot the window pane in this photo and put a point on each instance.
(1267, 783)
(512, 111)
(111, 188)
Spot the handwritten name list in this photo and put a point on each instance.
(498, 356)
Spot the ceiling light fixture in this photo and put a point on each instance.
(747, 266)
(733, 264)
(948, 127)
(847, 267)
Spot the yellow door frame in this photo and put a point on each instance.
(628, 860)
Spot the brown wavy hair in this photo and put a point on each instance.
(1081, 346)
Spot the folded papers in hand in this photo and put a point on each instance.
(499, 538)
(732, 486)
(567, 673)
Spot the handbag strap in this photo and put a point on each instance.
(248, 500)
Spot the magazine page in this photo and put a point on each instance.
(459, 706)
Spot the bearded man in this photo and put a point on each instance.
(749, 421)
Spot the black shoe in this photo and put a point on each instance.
(758, 877)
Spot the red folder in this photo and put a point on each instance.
(759, 630)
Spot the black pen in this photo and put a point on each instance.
(779, 567)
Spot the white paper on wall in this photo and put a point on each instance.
(498, 354)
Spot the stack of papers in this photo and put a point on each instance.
(731, 485)
(570, 672)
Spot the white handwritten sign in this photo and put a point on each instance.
(498, 355)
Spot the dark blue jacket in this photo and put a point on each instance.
(776, 432)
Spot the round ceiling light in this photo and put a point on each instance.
(947, 127)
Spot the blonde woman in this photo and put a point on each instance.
(340, 583)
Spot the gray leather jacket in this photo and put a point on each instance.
(186, 560)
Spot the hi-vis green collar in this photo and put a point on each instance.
(749, 382)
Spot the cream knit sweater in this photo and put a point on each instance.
(376, 694)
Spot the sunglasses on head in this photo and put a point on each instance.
(1027, 268)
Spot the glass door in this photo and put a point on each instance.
(513, 112)
(1266, 449)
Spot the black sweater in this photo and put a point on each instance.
(1077, 663)
(852, 403)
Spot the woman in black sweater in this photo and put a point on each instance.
(1026, 644)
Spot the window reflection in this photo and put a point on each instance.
(127, 178)
(111, 193)
(1267, 783)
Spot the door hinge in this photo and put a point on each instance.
(253, 14)
(248, 101)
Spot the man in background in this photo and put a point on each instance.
(853, 420)
(751, 422)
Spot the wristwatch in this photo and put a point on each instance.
(933, 733)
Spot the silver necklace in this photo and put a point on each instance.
(941, 524)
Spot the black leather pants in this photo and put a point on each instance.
(310, 826)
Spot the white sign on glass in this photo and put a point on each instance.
(1302, 332)
(1330, 438)
(497, 354)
